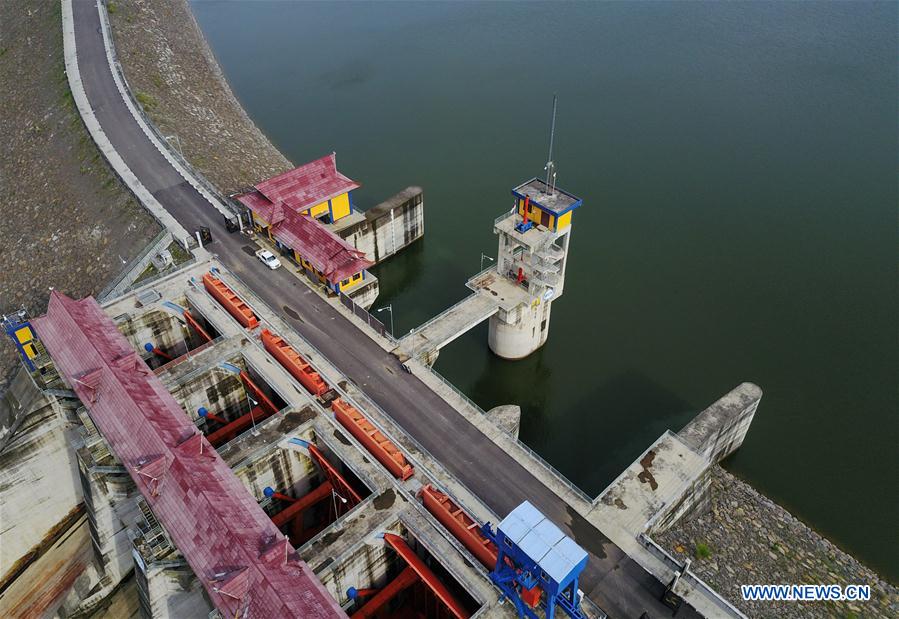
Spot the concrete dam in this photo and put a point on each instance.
(234, 440)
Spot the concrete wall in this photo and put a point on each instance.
(507, 417)
(695, 500)
(286, 470)
(158, 327)
(365, 566)
(170, 591)
(111, 502)
(38, 475)
(390, 226)
(365, 296)
(516, 334)
(714, 434)
(720, 429)
(222, 393)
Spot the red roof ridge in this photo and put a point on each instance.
(205, 509)
(300, 188)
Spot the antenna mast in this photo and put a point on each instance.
(550, 166)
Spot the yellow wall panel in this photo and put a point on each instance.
(340, 206)
(24, 335)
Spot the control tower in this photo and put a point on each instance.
(516, 292)
(532, 254)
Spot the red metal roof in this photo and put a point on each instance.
(323, 249)
(300, 188)
(246, 565)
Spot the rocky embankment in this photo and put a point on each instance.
(67, 220)
(175, 76)
(749, 539)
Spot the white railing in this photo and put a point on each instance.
(505, 215)
(431, 321)
(133, 265)
(200, 180)
(700, 585)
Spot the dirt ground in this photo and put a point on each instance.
(67, 220)
(175, 76)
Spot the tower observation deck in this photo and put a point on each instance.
(516, 292)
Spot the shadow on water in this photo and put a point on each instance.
(568, 426)
(629, 405)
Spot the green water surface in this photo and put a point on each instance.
(737, 164)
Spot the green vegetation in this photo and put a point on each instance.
(150, 271)
(179, 254)
(112, 7)
(703, 550)
(147, 101)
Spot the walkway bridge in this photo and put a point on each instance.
(492, 293)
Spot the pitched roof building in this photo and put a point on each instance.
(245, 563)
(299, 189)
(288, 208)
(328, 254)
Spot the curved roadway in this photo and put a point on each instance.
(612, 580)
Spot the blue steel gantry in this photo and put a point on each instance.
(535, 557)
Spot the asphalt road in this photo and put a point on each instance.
(612, 580)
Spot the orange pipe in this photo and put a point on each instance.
(228, 432)
(527, 203)
(406, 579)
(465, 528)
(343, 488)
(257, 414)
(164, 355)
(230, 301)
(193, 323)
(427, 576)
(217, 419)
(295, 509)
(259, 393)
(379, 445)
(293, 363)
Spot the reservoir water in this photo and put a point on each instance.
(737, 163)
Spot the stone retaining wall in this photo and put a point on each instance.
(175, 76)
(748, 539)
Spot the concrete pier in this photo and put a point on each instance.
(383, 230)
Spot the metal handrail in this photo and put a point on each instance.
(198, 177)
(505, 215)
(387, 335)
(126, 271)
(663, 555)
(432, 320)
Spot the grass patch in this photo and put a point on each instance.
(150, 271)
(147, 101)
(3, 51)
(702, 551)
(111, 8)
(179, 254)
